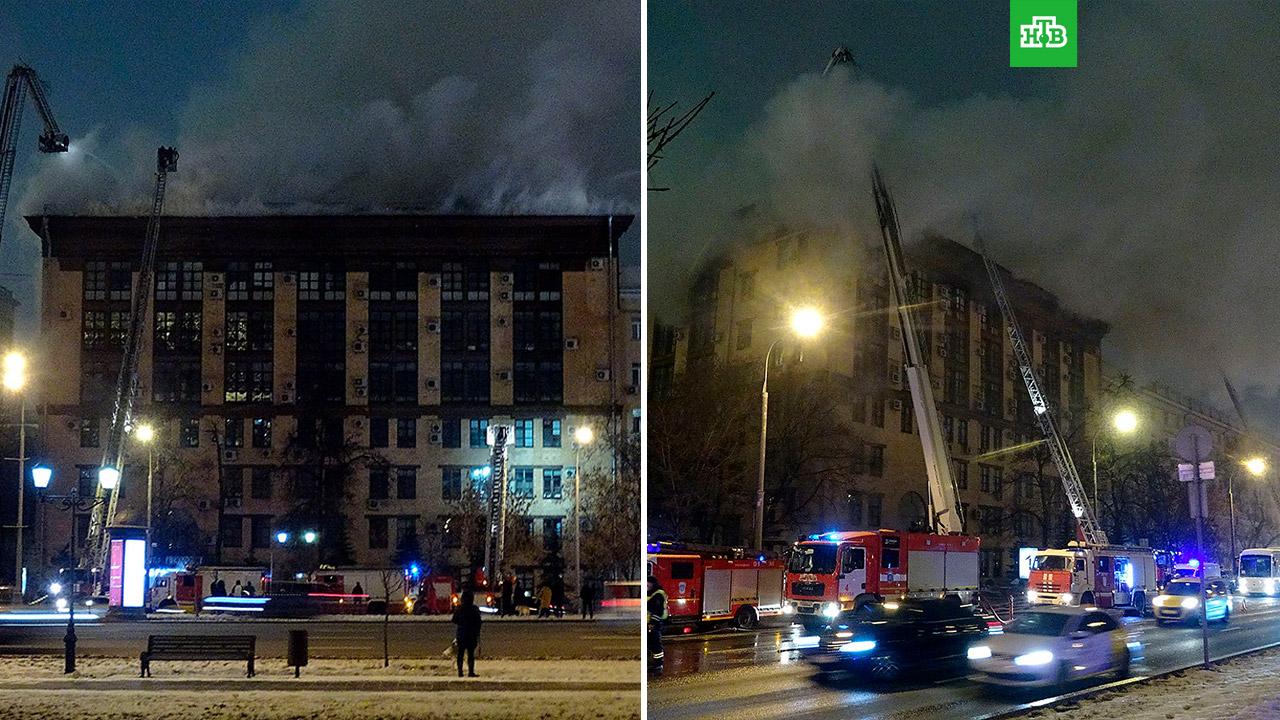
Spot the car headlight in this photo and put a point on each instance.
(1031, 596)
(55, 588)
(1191, 603)
(844, 634)
(1067, 598)
(788, 609)
(979, 652)
(858, 646)
(1039, 657)
(1160, 600)
(831, 609)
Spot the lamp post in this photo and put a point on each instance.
(14, 380)
(73, 502)
(806, 322)
(584, 435)
(146, 434)
(1124, 422)
(1257, 467)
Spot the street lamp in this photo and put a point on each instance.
(41, 476)
(806, 323)
(309, 537)
(1257, 467)
(108, 477)
(146, 434)
(1124, 422)
(583, 436)
(14, 379)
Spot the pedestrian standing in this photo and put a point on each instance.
(236, 590)
(248, 589)
(588, 601)
(467, 635)
(358, 591)
(656, 606)
(544, 601)
(218, 588)
(507, 606)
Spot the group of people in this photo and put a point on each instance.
(218, 588)
(551, 599)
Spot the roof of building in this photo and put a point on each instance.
(371, 236)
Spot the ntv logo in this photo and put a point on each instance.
(1043, 32)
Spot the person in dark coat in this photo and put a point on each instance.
(467, 618)
(218, 588)
(507, 605)
(656, 608)
(588, 601)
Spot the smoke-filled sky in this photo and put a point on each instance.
(332, 106)
(1142, 187)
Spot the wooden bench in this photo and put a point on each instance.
(198, 647)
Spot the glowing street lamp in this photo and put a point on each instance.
(282, 537)
(14, 376)
(309, 537)
(1125, 421)
(108, 477)
(41, 476)
(144, 433)
(806, 323)
(1257, 466)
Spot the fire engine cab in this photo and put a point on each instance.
(838, 571)
(1105, 577)
(707, 585)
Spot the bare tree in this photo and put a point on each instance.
(611, 511)
(665, 124)
(391, 580)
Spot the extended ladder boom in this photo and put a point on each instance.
(944, 496)
(1090, 531)
(22, 80)
(495, 543)
(127, 381)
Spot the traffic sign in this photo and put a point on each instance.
(1187, 471)
(1193, 443)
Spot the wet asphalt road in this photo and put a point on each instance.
(760, 675)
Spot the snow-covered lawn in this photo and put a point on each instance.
(1240, 689)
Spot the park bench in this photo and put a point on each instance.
(198, 647)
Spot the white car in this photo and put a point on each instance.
(1052, 646)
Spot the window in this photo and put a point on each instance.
(855, 509)
(89, 433)
(985, 475)
(635, 376)
(176, 380)
(550, 433)
(524, 433)
(406, 432)
(260, 483)
(962, 474)
(250, 330)
(877, 412)
(479, 433)
(377, 533)
(905, 423)
(875, 510)
(551, 528)
(232, 482)
(231, 530)
(450, 433)
(379, 432)
(635, 328)
(997, 482)
(552, 483)
(875, 460)
(263, 285)
(248, 381)
(326, 284)
(178, 281)
(522, 482)
(233, 434)
(379, 483)
(87, 483)
(95, 281)
(962, 432)
(747, 285)
(262, 432)
(259, 532)
(407, 483)
(189, 432)
(177, 331)
(450, 484)
(744, 333)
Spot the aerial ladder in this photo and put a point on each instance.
(1090, 532)
(22, 79)
(499, 437)
(945, 516)
(113, 453)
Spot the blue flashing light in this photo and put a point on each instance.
(651, 548)
(833, 535)
(761, 557)
(814, 536)
(1194, 563)
(481, 473)
(414, 570)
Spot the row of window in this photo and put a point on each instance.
(233, 432)
(231, 530)
(404, 478)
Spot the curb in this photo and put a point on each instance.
(1089, 692)
(310, 685)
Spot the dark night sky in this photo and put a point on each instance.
(491, 107)
(1141, 187)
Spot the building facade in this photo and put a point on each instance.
(336, 373)
(738, 308)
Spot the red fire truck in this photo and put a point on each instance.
(708, 586)
(837, 571)
(1104, 576)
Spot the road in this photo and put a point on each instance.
(760, 675)
(602, 639)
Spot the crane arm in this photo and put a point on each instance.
(1090, 531)
(113, 453)
(944, 497)
(22, 79)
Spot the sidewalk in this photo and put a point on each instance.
(36, 689)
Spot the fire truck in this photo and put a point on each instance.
(1104, 576)
(709, 586)
(838, 571)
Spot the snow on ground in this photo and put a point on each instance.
(1240, 689)
(49, 667)
(278, 705)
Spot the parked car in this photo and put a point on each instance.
(885, 640)
(1053, 646)
(1180, 602)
